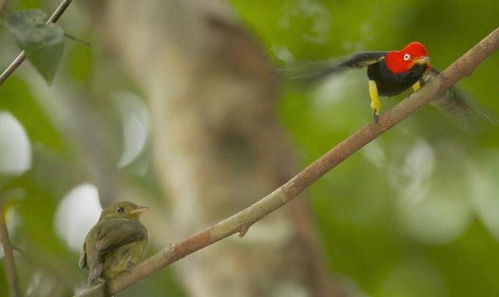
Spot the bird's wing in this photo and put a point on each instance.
(459, 107)
(104, 237)
(118, 232)
(361, 60)
(316, 71)
(83, 257)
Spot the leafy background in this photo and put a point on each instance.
(415, 213)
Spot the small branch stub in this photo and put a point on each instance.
(244, 229)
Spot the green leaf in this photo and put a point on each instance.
(43, 43)
(44, 49)
(21, 21)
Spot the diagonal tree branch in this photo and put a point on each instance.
(241, 221)
(22, 56)
(10, 266)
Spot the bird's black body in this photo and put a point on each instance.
(390, 84)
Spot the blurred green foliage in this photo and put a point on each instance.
(415, 213)
(404, 217)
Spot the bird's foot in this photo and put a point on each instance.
(376, 117)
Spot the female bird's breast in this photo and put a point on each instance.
(390, 84)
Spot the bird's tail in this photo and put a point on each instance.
(460, 108)
(309, 74)
(314, 72)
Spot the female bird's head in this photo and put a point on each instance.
(413, 54)
(122, 209)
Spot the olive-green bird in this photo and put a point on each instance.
(117, 242)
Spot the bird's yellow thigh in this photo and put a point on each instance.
(416, 86)
(373, 93)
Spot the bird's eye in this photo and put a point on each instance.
(120, 209)
(407, 57)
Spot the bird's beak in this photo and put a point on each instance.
(138, 210)
(422, 60)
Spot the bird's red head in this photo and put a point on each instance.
(403, 60)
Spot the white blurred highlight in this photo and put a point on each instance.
(374, 153)
(437, 219)
(418, 167)
(135, 119)
(331, 91)
(78, 211)
(417, 276)
(15, 148)
(433, 210)
(283, 53)
(485, 192)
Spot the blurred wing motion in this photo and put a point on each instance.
(459, 107)
(315, 72)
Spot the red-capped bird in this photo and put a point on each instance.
(392, 72)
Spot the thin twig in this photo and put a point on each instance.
(76, 39)
(239, 222)
(59, 11)
(22, 56)
(10, 266)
